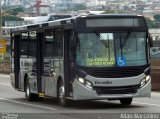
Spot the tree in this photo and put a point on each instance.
(157, 17)
(10, 18)
(150, 23)
(109, 12)
(15, 11)
(79, 7)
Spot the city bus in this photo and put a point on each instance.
(88, 57)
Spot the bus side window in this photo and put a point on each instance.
(58, 43)
(49, 43)
(24, 44)
(32, 44)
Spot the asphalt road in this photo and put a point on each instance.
(13, 105)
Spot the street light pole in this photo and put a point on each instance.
(0, 20)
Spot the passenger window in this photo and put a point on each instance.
(24, 44)
(32, 43)
(58, 43)
(49, 34)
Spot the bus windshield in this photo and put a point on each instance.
(119, 49)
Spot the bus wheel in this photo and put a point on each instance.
(126, 101)
(61, 94)
(29, 96)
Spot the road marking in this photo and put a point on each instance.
(5, 84)
(33, 105)
(5, 75)
(147, 104)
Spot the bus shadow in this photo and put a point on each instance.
(103, 104)
(82, 105)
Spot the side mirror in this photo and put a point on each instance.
(150, 40)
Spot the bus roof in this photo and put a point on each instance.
(68, 20)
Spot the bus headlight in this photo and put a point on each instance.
(145, 81)
(86, 83)
(81, 80)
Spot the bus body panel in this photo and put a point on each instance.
(33, 84)
(81, 92)
(109, 82)
(51, 75)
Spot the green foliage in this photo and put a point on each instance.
(153, 24)
(157, 21)
(15, 11)
(157, 17)
(150, 23)
(79, 7)
(10, 18)
(44, 14)
(114, 12)
(109, 12)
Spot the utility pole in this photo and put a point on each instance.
(0, 20)
(37, 6)
(1, 54)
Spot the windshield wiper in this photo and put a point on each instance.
(107, 45)
(121, 45)
(127, 37)
(102, 39)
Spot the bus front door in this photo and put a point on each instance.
(17, 59)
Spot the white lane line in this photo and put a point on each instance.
(4, 75)
(33, 105)
(146, 104)
(5, 84)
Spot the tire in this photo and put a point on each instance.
(126, 101)
(29, 96)
(61, 95)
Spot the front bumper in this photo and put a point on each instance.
(81, 92)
